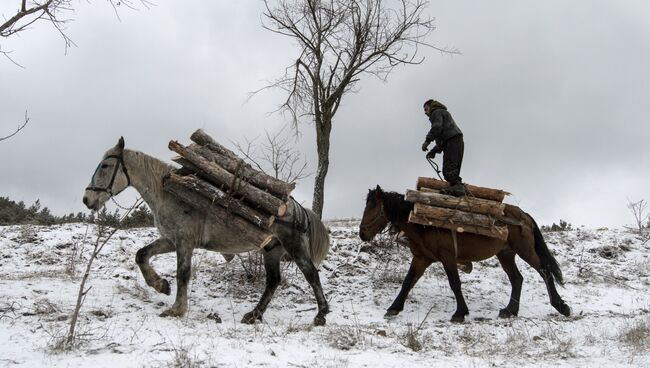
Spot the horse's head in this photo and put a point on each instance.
(110, 178)
(374, 219)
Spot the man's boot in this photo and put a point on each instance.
(456, 190)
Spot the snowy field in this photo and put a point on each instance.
(607, 274)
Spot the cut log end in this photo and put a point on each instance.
(282, 210)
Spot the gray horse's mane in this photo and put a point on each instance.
(150, 169)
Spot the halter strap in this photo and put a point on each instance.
(382, 215)
(109, 188)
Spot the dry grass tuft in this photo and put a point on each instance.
(184, 358)
(636, 335)
(345, 337)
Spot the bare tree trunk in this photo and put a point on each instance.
(323, 130)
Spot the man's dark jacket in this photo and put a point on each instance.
(443, 126)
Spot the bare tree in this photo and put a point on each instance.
(21, 126)
(641, 216)
(276, 156)
(339, 41)
(54, 12)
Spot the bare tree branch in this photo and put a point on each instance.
(20, 127)
(339, 41)
(104, 235)
(641, 216)
(276, 156)
(54, 12)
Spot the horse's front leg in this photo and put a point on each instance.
(158, 246)
(183, 274)
(417, 268)
(273, 278)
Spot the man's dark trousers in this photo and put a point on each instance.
(452, 159)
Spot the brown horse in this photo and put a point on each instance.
(430, 244)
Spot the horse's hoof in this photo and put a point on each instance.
(172, 312)
(565, 310)
(251, 317)
(319, 320)
(391, 313)
(458, 319)
(164, 287)
(506, 313)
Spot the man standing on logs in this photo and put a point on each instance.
(449, 139)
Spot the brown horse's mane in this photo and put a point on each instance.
(395, 207)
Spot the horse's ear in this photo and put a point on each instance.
(378, 193)
(120, 143)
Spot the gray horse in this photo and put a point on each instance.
(301, 234)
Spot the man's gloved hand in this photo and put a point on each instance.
(425, 146)
(432, 154)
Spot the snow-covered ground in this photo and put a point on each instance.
(607, 274)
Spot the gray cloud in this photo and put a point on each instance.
(551, 97)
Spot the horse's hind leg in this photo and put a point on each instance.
(454, 282)
(417, 268)
(273, 278)
(304, 263)
(556, 300)
(159, 246)
(507, 260)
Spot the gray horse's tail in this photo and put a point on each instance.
(319, 239)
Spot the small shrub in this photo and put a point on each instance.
(412, 338)
(184, 359)
(563, 226)
(345, 337)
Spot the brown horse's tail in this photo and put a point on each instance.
(549, 264)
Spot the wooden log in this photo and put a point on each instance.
(236, 165)
(453, 216)
(472, 191)
(498, 232)
(187, 168)
(231, 162)
(244, 230)
(203, 139)
(220, 177)
(467, 204)
(214, 195)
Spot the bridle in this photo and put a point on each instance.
(109, 188)
(382, 215)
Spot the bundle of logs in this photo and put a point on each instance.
(479, 212)
(231, 192)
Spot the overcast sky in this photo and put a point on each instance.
(552, 98)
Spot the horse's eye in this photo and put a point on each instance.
(104, 166)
